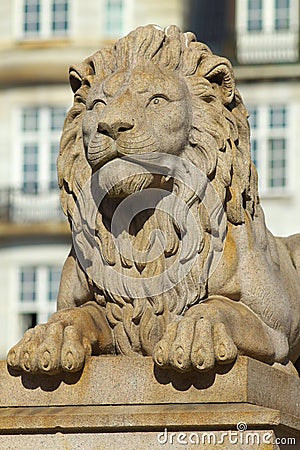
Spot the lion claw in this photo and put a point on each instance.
(195, 344)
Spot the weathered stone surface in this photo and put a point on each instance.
(120, 402)
(171, 256)
(107, 380)
(146, 440)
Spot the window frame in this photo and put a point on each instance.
(263, 133)
(126, 20)
(270, 43)
(251, 15)
(46, 31)
(42, 306)
(45, 137)
(287, 16)
(269, 13)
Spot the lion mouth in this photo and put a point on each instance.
(121, 177)
(123, 180)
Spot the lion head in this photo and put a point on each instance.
(155, 92)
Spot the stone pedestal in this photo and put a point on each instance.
(125, 403)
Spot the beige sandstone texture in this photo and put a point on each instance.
(171, 257)
(122, 402)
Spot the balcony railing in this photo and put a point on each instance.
(268, 47)
(17, 206)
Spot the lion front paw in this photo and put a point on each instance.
(195, 343)
(50, 348)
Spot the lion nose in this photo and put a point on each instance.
(115, 129)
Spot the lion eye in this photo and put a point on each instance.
(158, 100)
(98, 102)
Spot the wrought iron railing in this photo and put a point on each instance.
(18, 206)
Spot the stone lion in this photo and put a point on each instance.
(155, 98)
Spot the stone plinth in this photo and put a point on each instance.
(126, 403)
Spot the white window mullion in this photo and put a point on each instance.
(41, 286)
(241, 16)
(294, 15)
(288, 149)
(42, 294)
(17, 173)
(268, 15)
(44, 149)
(287, 162)
(45, 18)
(128, 15)
(263, 130)
(18, 19)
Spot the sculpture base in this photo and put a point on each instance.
(126, 403)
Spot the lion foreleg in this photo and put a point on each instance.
(64, 342)
(77, 330)
(214, 332)
(74, 289)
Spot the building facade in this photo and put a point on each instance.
(267, 53)
(39, 40)
(261, 38)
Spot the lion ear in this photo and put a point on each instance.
(221, 76)
(75, 80)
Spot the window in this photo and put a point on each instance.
(59, 17)
(38, 289)
(53, 283)
(282, 14)
(277, 162)
(34, 195)
(268, 15)
(267, 30)
(28, 284)
(44, 19)
(114, 17)
(117, 16)
(30, 168)
(32, 17)
(269, 146)
(255, 16)
(39, 140)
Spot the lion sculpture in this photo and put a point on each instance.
(154, 105)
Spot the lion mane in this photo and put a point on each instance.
(218, 143)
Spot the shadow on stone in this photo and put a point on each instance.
(183, 382)
(47, 383)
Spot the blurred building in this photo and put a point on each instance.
(261, 38)
(39, 40)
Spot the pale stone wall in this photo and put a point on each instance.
(6, 26)
(159, 12)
